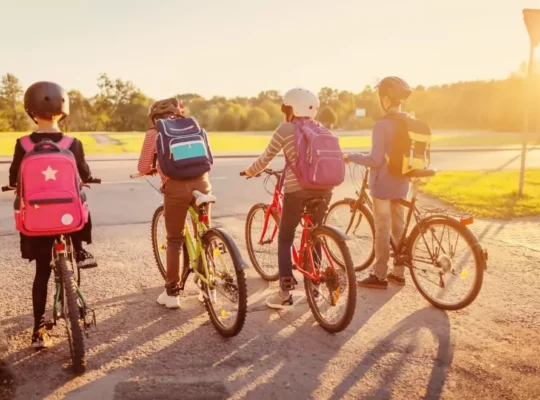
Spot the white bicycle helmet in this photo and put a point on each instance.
(303, 102)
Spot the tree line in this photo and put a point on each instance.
(496, 105)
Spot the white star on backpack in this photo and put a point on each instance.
(50, 174)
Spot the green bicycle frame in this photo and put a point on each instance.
(195, 250)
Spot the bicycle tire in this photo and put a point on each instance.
(249, 243)
(344, 322)
(155, 245)
(363, 212)
(473, 243)
(241, 282)
(71, 308)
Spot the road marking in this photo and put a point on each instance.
(139, 180)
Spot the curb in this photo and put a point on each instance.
(135, 156)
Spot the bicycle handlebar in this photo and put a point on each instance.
(94, 181)
(266, 171)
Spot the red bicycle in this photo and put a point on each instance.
(323, 258)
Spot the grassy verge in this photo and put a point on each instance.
(130, 142)
(488, 194)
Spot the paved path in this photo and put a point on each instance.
(397, 346)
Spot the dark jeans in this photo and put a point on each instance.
(293, 206)
(41, 281)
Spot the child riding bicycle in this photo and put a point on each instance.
(299, 107)
(178, 193)
(47, 103)
(386, 187)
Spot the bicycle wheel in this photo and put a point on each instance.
(159, 241)
(445, 274)
(263, 255)
(332, 301)
(72, 316)
(358, 224)
(226, 300)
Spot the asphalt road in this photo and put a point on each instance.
(397, 345)
(120, 200)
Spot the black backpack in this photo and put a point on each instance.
(410, 150)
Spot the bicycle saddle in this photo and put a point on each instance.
(422, 173)
(201, 198)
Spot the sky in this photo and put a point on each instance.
(241, 47)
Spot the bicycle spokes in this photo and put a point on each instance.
(444, 264)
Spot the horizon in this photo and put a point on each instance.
(251, 40)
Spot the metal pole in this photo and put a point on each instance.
(526, 121)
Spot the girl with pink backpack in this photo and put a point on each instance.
(314, 167)
(45, 170)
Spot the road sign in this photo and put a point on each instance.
(360, 112)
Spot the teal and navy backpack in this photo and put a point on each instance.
(182, 148)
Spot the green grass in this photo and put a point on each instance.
(130, 142)
(488, 194)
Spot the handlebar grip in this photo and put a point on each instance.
(7, 188)
(242, 173)
(97, 181)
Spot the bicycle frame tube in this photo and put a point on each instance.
(276, 205)
(195, 250)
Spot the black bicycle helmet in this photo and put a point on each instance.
(46, 99)
(395, 88)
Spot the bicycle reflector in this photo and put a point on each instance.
(466, 221)
(203, 218)
(59, 247)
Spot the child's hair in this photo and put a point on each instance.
(46, 100)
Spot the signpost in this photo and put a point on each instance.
(532, 22)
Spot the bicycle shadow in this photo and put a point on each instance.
(117, 337)
(439, 326)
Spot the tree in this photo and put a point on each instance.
(327, 116)
(13, 110)
(326, 95)
(257, 119)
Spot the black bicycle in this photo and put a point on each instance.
(69, 302)
(436, 269)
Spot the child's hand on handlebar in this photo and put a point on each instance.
(246, 173)
(346, 158)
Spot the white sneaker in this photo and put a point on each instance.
(200, 297)
(168, 301)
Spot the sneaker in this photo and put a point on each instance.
(85, 260)
(168, 301)
(396, 280)
(276, 301)
(41, 339)
(373, 282)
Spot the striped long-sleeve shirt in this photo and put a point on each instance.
(282, 139)
(148, 152)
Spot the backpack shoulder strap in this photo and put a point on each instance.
(27, 143)
(65, 142)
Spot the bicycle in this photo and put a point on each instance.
(204, 251)
(348, 214)
(308, 260)
(69, 302)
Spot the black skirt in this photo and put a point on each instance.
(36, 246)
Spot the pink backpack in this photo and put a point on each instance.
(48, 188)
(319, 161)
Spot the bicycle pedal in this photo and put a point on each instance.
(49, 325)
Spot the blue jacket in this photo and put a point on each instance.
(382, 184)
